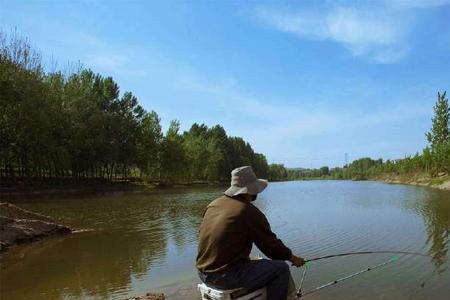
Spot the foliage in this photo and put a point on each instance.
(434, 159)
(277, 172)
(80, 127)
(440, 132)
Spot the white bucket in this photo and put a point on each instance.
(209, 293)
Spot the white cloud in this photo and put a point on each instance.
(376, 33)
(277, 127)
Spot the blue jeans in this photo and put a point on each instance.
(273, 274)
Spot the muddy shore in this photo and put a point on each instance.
(19, 226)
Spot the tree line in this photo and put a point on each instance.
(79, 126)
(433, 160)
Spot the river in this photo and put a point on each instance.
(146, 241)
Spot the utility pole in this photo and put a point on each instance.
(346, 166)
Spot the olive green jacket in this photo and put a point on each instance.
(229, 228)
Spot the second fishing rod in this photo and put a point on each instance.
(301, 293)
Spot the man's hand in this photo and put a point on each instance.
(297, 261)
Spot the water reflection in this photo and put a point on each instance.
(436, 213)
(97, 263)
(131, 237)
(147, 241)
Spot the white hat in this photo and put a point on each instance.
(244, 181)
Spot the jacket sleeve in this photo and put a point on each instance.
(263, 237)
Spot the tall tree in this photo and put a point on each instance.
(440, 130)
(439, 136)
(173, 156)
(218, 167)
(149, 145)
(80, 126)
(195, 144)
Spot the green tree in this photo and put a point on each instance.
(324, 171)
(439, 136)
(80, 126)
(260, 165)
(173, 156)
(440, 131)
(218, 166)
(277, 172)
(149, 145)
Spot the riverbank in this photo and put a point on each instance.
(18, 226)
(149, 296)
(420, 179)
(101, 186)
(70, 187)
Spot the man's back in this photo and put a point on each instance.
(224, 238)
(230, 226)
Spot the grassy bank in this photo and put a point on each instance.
(422, 179)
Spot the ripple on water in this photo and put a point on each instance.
(148, 241)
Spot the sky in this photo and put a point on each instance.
(304, 82)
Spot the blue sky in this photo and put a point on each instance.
(304, 82)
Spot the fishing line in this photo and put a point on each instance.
(300, 293)
(323, 286)
(368, 252)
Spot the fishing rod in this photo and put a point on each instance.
(367, 252)
(300, 293)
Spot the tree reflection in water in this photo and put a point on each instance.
(130, 237)
(434, 206)
(436, 212)
(139, 238)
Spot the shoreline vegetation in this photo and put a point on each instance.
(75, 131)
(58, 127)
(441, 182)
(429, 168)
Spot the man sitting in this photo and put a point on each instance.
(230, 226)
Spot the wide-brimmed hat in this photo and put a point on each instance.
(244, 181)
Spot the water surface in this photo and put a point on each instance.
(146, 241)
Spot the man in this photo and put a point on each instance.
(231, 224)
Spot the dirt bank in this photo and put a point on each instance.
(149, 296)
(442, 181)
(18, 226)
